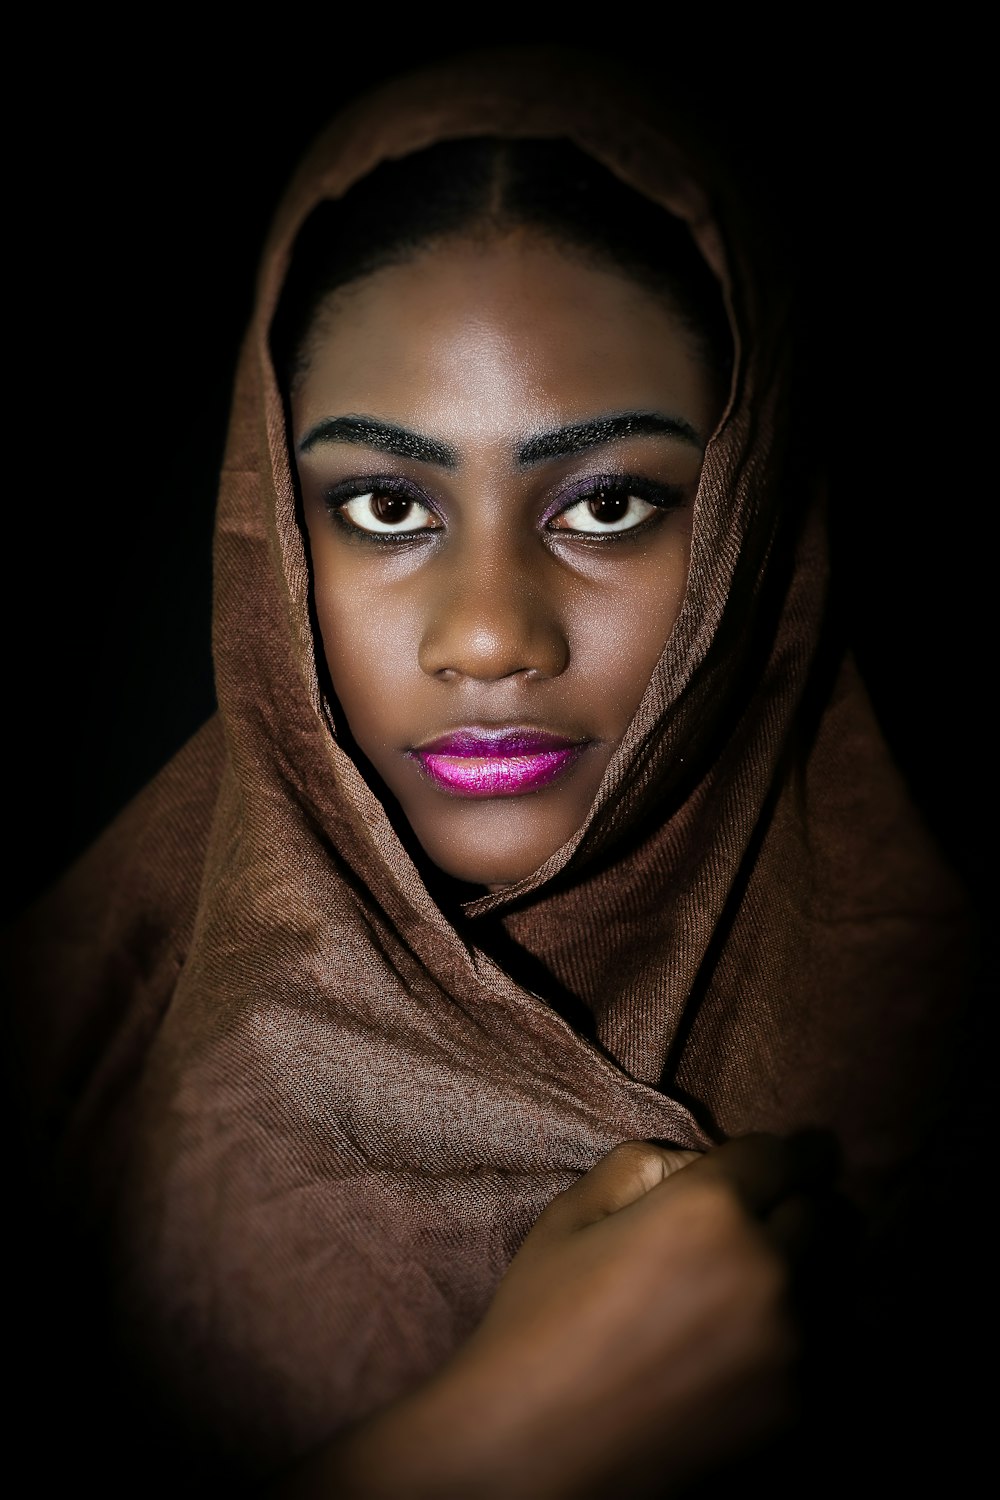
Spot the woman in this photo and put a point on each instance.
(518, 838)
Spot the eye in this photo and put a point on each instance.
(384, 513)
(615, 508)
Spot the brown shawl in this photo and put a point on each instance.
(312, 1114)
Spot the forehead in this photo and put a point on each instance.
(487, 337)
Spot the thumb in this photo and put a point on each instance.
(626, 1174)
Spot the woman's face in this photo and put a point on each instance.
(498, 447)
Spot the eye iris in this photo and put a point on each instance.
(608, 508)
(390, 509)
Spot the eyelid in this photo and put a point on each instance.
(599, 529)
(666, 497)
(338, 496)
(373, 524)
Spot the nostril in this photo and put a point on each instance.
(518, 642)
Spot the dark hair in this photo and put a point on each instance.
(490, 184)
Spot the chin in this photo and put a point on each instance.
(497, 845)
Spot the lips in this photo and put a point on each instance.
(507, 762)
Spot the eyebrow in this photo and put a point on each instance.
(564, 441)
(365, 432)
(561, 442)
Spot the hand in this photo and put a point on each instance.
(641, 1334)
(643, 1328)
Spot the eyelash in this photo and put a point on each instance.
(341, 495)
(664, 497)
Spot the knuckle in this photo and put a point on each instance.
(719, 1209)
(723, 1233)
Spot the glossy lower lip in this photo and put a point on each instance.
(496, 763)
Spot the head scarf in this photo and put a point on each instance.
(309, 1113)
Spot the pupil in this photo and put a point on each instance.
(609, 508)
(390, 508)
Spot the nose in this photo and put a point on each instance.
(490, 619)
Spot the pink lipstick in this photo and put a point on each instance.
(496, 762)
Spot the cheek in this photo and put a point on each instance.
(371, 648)
(620, 630)
(370, 635)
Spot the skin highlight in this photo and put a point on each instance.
(498, 447)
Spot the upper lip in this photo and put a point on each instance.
(480, 741)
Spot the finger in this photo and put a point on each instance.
(760, 1169)
(627, 1173)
